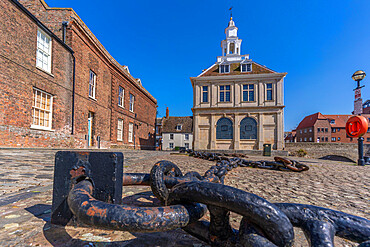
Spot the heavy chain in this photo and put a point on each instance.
(186, 198)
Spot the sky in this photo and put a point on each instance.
(320, 44)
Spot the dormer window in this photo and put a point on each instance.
(224, 68)
(179, 127)
(332, 121)
(246, 67)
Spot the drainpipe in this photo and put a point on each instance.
(65, 24)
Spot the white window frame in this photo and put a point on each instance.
(120, 129)
(248, 90)
(224, 68)
(43, 51)
(132, 102)
(203, 92)
(224, 91)
(121, 97)
(171, 145)
(130, 132)
(186, 137)
(270, 89)
(92, 84)
(246, 67)
(171, 136)
(179, 127)
(38, 108)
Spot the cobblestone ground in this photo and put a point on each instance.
(26, 193)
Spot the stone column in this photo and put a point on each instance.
(196, 132)
(213, 132)
(260, 131)
(280, 131)
(236, 132)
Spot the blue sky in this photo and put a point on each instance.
(318, 43)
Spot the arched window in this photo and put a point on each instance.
(232, 48)
(224, 129)
(248, 129)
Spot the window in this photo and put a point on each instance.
(224, 68)
(157, 130)
(338, 138)
(187, 145)
(42, 105)
(92, 85)
(179, 127)
(305, 130)
(171, 145)
(368, 130)
(322, 138)
(130, 132)
(248, 92)
(326, 129)
(332, 121)
(300, 140)
(171, 136)
(326, 139)
(224, 129)
(310, 129)
(338, 129)
(119, 130)
(310, 139)
(248, 129)
(205, 94)
(225, 93)
(318, 129)
(132, 100)
(322, 129)
(246, 67)
(121, 96)
(268, 91)
(305, 139)
(300, 131)
(43, 55)
(333, 139)
(368, 139)
(186, 137)
(333, 130)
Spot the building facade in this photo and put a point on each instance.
(326, 129)
(177, 132)
(90, 98)
(238, 104)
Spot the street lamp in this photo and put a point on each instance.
(358, 76)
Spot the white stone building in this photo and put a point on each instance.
(238, 104)
(177, 132)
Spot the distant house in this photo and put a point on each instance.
(177, 132)
(290, 136)
(326, 128)
(366, 107)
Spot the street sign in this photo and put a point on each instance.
(357, 93)
(358, 107)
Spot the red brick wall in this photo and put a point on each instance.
(18, 76)
(90, 54)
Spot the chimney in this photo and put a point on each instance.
(167, 112)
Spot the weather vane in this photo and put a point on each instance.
(231, 12)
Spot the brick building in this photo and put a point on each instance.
(49, 55)
(326, 128)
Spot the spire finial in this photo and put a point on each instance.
(231, 13)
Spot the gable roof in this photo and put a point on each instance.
(169, 124)
(341, 120)
(310, 120)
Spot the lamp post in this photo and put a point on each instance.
(358, 76)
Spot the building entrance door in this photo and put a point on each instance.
(90, 129)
